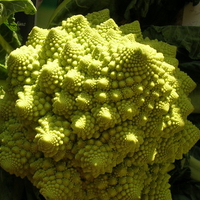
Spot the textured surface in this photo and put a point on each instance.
(95, 111)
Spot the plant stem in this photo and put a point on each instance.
(5, 45)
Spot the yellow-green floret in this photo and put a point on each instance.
(94, 111)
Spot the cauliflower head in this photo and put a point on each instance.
(93, 110)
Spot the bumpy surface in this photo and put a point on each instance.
(95, 111)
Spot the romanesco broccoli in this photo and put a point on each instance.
(94, 111)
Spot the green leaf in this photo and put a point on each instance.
(67, 8)
(9, 37)
(8, 8)
(141, 7)
(191, 67)
(185, 37)
(3, 72)
(195, 2)
(9, 40)
(195, 99)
